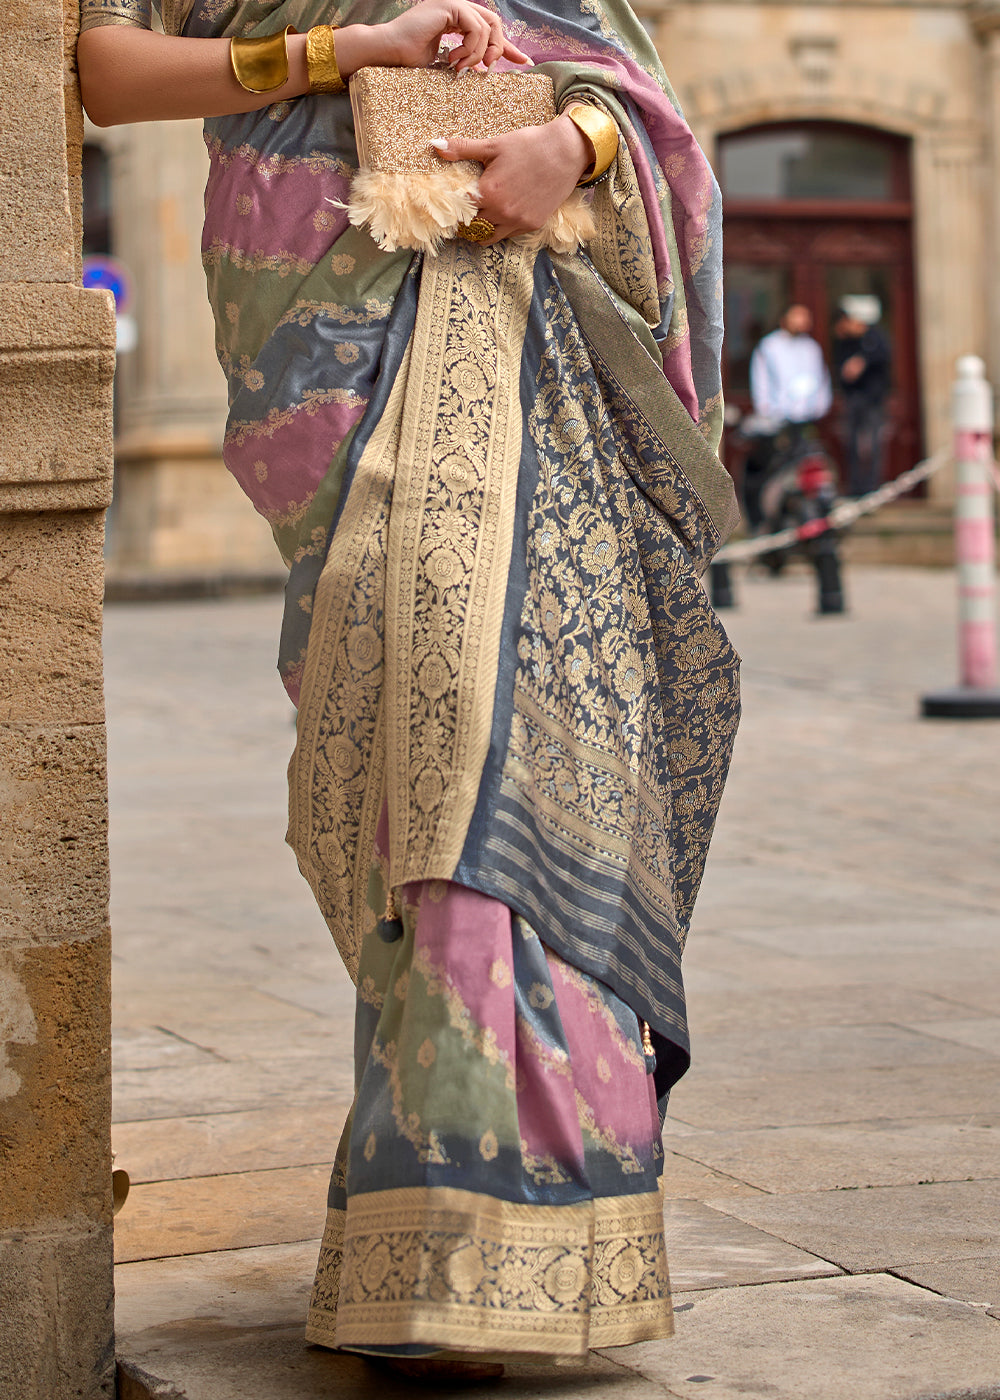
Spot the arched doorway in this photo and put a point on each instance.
(813, 211)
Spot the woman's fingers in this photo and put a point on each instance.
(483, 37)
(460, 148)
(471, 23)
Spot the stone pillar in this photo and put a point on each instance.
(986, 21)
(177, 509)
(951, 296)
(56, 367)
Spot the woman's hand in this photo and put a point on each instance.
(412, 39)
(527, 174)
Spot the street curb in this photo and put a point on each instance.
(134, 1383)
(178, 588)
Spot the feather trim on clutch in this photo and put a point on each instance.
(404, 193)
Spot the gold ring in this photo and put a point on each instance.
(477, 230)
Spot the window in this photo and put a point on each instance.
(814, 161)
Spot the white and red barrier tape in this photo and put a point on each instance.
(841, 516)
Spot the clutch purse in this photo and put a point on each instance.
(403, 192)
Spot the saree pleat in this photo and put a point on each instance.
(496, 1189)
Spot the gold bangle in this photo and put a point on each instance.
(321, 60)
(261, 65)
(601, 131)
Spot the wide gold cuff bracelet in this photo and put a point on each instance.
(321, 60)
(602, 133)
(261, 65)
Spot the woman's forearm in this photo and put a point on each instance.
(135, 75)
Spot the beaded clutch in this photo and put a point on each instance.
(404, 193)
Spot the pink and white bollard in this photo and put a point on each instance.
(976, 696)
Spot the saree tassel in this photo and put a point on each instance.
(391, 914)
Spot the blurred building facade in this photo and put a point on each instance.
(858, 146)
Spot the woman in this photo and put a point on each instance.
(492, 475)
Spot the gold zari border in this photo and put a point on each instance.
(467, 1273)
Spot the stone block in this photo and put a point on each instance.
(36, 228)
(50, 623)
(874, 1338)
(888, 1227)
(55, 1148)
(53, 832)
(57, 363)
(56, 1338)
(222, 1212)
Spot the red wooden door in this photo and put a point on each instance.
(802, 234)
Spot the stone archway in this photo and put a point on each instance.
(57, 357)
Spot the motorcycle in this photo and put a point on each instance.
(791, 483)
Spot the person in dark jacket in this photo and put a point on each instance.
(862, 365)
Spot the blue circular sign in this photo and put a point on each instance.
(109, 275)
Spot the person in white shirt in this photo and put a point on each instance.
(789, 380)
(789, 384)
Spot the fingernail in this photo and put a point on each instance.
(439, 143)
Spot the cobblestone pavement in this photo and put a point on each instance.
(833, 1166)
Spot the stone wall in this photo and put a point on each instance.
(56, 368)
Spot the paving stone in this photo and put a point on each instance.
(886, 1227)
(846, 922)
(853, 1004)
(135, 999)
(163, 1149)
(864, 936)
(276, 1364)
(733, 1055)
(981, 1033)
(257, 1286)
(927, 1091)
(826, 1157)
(152, 1048)
(302, 1035)
(707, 1248)
(871, 1338)
(222, 1212)
(224, 1087)
(975, 1281)
(787, 903)
(228, 1326)
(684, 1179)
(981, 993)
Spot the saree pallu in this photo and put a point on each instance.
(493, 477)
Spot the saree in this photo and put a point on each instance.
(492, 474)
